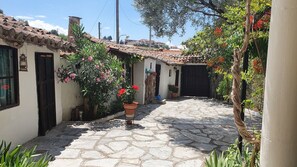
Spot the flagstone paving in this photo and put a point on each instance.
(180, 133)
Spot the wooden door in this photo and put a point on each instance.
(176, 77)
(46, 91)
(158, 71)
(194, 81)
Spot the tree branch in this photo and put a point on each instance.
(209, 5)
(259, 15)
(205, 13)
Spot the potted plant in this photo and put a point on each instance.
(127, 96)
(173, 91)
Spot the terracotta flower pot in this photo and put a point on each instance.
(130, 111)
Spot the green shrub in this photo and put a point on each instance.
(20, 157)
(225, 86)
(173, 88)
(232, 157)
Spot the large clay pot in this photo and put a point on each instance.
(130, 111)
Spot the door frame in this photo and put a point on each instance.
(41, 131)
(158, 78)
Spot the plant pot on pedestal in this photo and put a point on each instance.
(130, 111)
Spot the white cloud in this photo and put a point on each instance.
(47, 26)
(182, 47)
(24, 17)
(40, 16)
(169, 44)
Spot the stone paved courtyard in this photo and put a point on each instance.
(180, 133)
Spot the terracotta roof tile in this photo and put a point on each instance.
(15, 33)
(167, 56)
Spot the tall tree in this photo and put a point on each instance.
(168, 17)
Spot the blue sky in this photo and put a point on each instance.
(53, 14)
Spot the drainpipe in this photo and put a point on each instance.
(279, 134)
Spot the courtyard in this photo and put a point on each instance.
(180, 133)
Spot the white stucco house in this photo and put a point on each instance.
(172, 68)
(31, 99)
(188, 73)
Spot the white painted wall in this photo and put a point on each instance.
(278, 141)
(71, 97)
(138, 79)
(20, 124)
(150, 64)
(166, 80)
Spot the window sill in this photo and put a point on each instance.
(9, 106)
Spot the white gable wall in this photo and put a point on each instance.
(71, 97)
(20, 124)
(166, 80)
(139, 77)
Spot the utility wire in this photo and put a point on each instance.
(122, 9)
(100, 13)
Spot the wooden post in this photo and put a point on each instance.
(117, 23)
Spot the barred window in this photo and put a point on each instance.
(9, 95)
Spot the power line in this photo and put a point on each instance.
(125, 14)
(100, 13)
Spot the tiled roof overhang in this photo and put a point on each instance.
(15, 33)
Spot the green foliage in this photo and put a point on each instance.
(116, 106)
(255, 91)
(63, 36)
(1, 11)
(225, 86)
(20, 157)
(215, 160)
(109, 38)
(232, 157)
(54, 32)
(98, 73)
(173, 88)
(127, 94)
(168, 17)
(133, 59)
(222, 37)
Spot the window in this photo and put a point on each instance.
(170, 73)
(9, 95)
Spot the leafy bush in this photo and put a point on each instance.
(255, 89)
(98, 73)
(173, 88)
(225, 86)
(232, 157)
(20, 157)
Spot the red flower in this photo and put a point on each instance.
(224, 45)
(210, 63)
(135, 87)
(251, 19)
(221, 59)
(5, 87)
(218, 31)
(121, 91)
(257, 65)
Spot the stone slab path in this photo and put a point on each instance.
(180, 133)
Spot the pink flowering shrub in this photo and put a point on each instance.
(98, 73)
